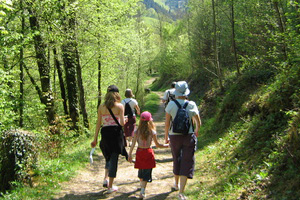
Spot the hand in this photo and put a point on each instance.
(130, 158)
(94, 143)
(196, 132)
(167, 140)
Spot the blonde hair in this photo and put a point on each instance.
(145, 129)
(111, 98)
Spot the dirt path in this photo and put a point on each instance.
(87, 185)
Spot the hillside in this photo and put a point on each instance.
(249, 141)
(173, 9)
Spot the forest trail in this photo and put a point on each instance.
(87, 185)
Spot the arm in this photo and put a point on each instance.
(164, 98)
(132, 146)
(122, 119)
(167, 127)
(138, 110)
(98, 126)
(196, 119)
(157, 144)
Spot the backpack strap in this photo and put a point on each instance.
(177, 103)
(127, 102)
(113, 116)
(185, 104)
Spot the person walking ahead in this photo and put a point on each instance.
(145, 160)
(169, 94)
(182, 145)
(132, 106)
(111, 118)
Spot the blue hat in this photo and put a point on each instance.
(181, 89)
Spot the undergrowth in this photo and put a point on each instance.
(51, 171)
(249, 143)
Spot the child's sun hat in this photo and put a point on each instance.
(146, 116)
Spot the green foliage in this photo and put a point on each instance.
(18, 157)
(152, 103)
(49, 172)
(8, 100)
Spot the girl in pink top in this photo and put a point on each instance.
(145, 160)
(110, 143)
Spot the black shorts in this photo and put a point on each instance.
(145, 174)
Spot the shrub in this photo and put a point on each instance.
(17, 157)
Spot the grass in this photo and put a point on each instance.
(51, 172)
(243, 148)
(152, 102)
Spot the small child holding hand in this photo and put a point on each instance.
(145, 160)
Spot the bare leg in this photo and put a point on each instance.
(129, 139)
(143, 184)
(183, 180)
(105, 180)
(176, 179)
(106, 174)
(110, 182)
(175, 186)
(143, 188)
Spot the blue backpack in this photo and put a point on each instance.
(181, 122)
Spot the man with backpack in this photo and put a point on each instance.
(181, 130)
(169, 94)
(130, 106)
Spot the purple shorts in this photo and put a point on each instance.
(129, 127)
(183, 150)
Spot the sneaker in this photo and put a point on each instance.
(105, 183)
(113, 189)
(175, 187)
(142, 196)
(181, 197)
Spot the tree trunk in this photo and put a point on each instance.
(139, 56)
(215, 47)
(21, 100)
(21, 104)
(61, 82)
(281, 27)
(44, 68)
(70, 70)
(233, 38)
(81, 92)
(69, 59)
(99, 82)
(37, 88)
